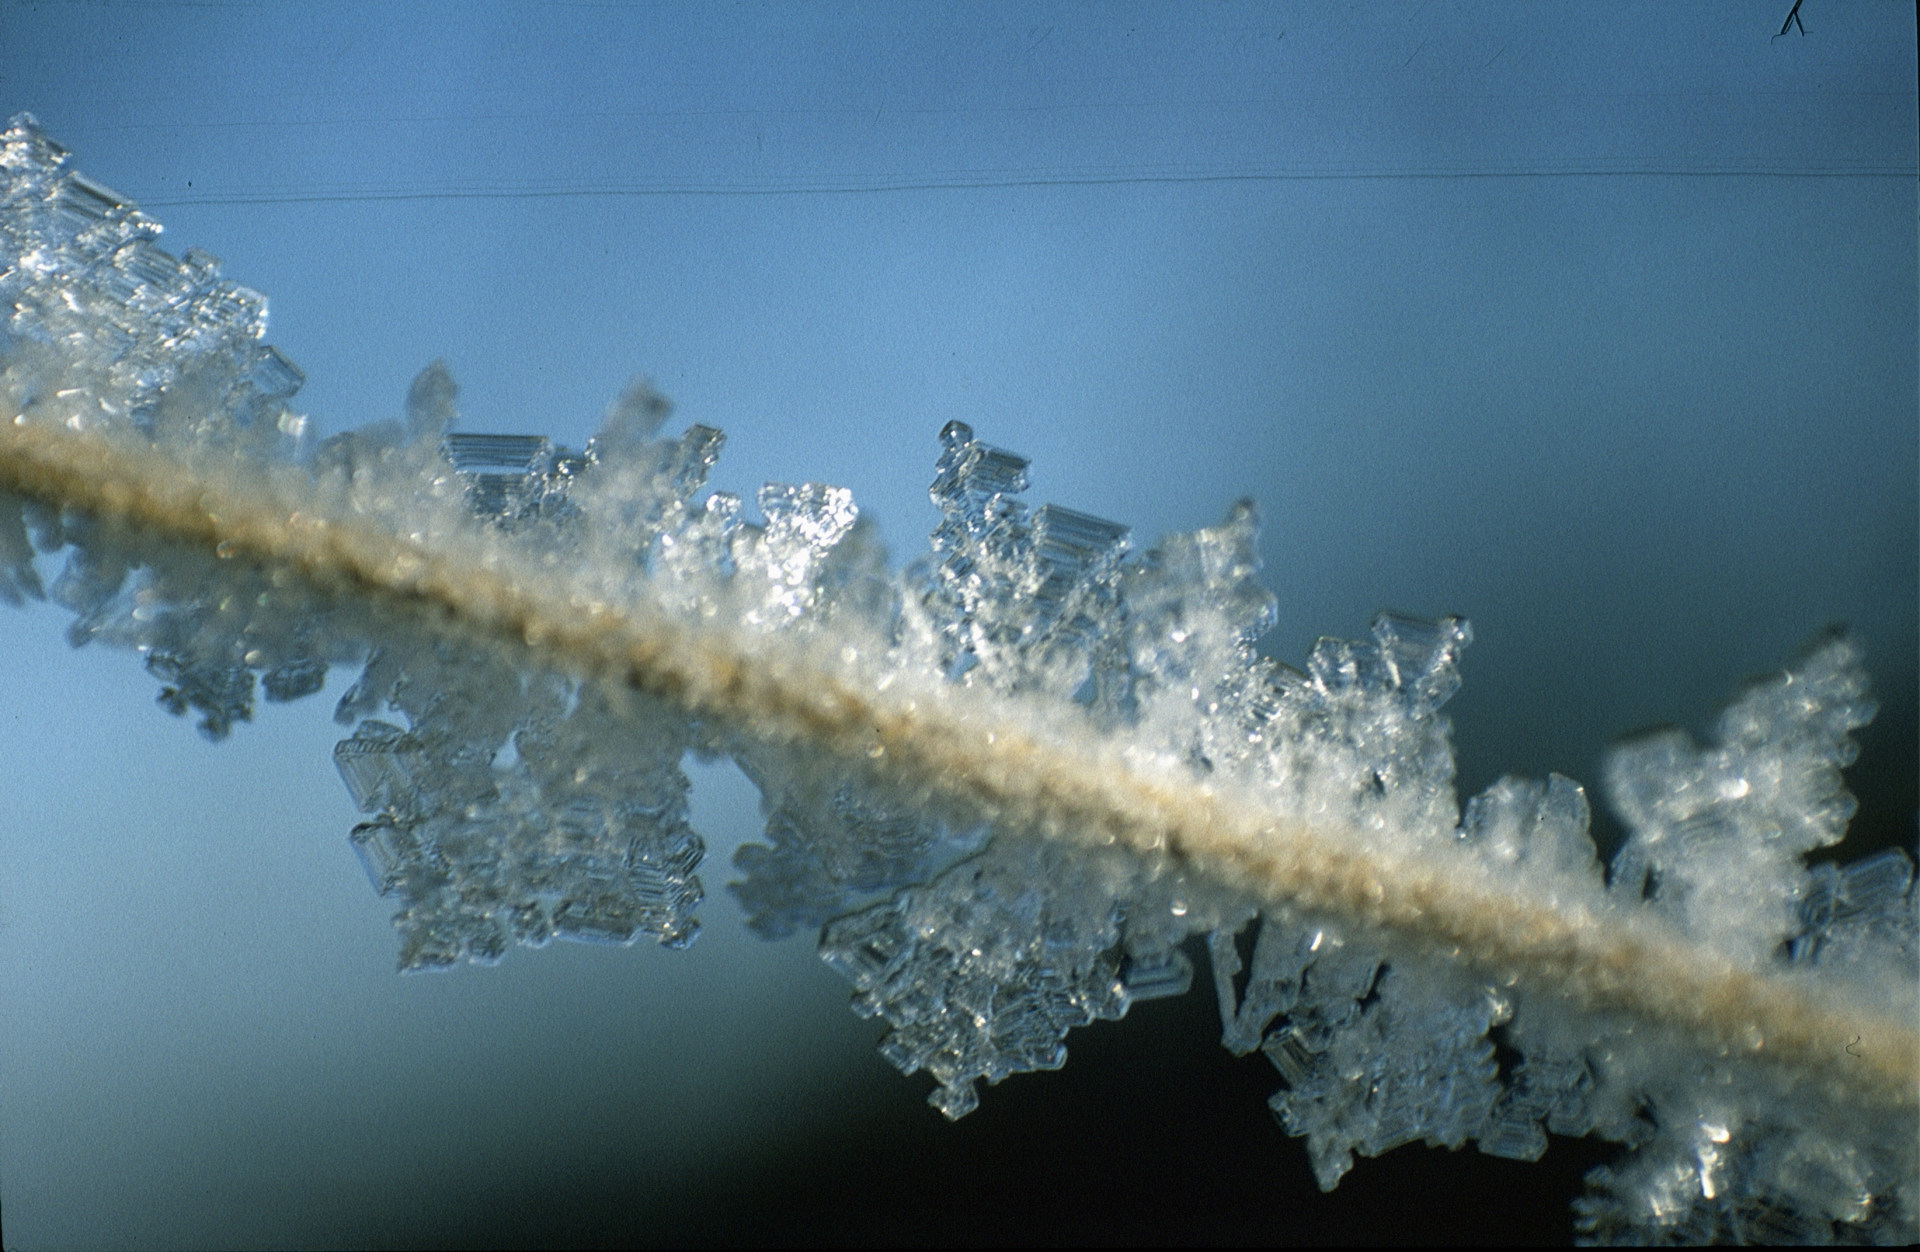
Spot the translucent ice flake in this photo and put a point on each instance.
(1409, 1065)
(207, 627)
(1357, 739)
(19, 580)
(1860, 916)
(378, 764)
(1019, 603)
(518, 809)
(1373, 1054)
(1711, 1178)
(1249, 1005)
(1193, 613)
(1544, 1092)
(638, 496)
(831, 845)
(430, 401)
(106, 330)
(506, 474)
(786, 557)
(981, 972)
(628, 426)
(1717, 833)
(1538, 831)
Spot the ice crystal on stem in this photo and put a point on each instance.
(1005, 785)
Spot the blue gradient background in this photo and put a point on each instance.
(1596, 324)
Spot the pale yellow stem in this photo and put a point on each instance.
(961, 748)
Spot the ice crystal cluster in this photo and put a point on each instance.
(510, 800)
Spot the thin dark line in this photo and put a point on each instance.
(856, 111)
(875, 188)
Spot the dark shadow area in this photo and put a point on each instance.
(1152, 1134)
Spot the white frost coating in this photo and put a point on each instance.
(1722, 831)
(1005, 784)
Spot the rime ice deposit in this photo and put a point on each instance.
(511, 801)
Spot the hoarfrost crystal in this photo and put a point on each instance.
(514, 795)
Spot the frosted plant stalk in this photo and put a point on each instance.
(1006, 784)
(1010, 762)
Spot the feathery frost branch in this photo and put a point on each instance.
(1005, 785)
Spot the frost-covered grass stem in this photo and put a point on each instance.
(1001, 758)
